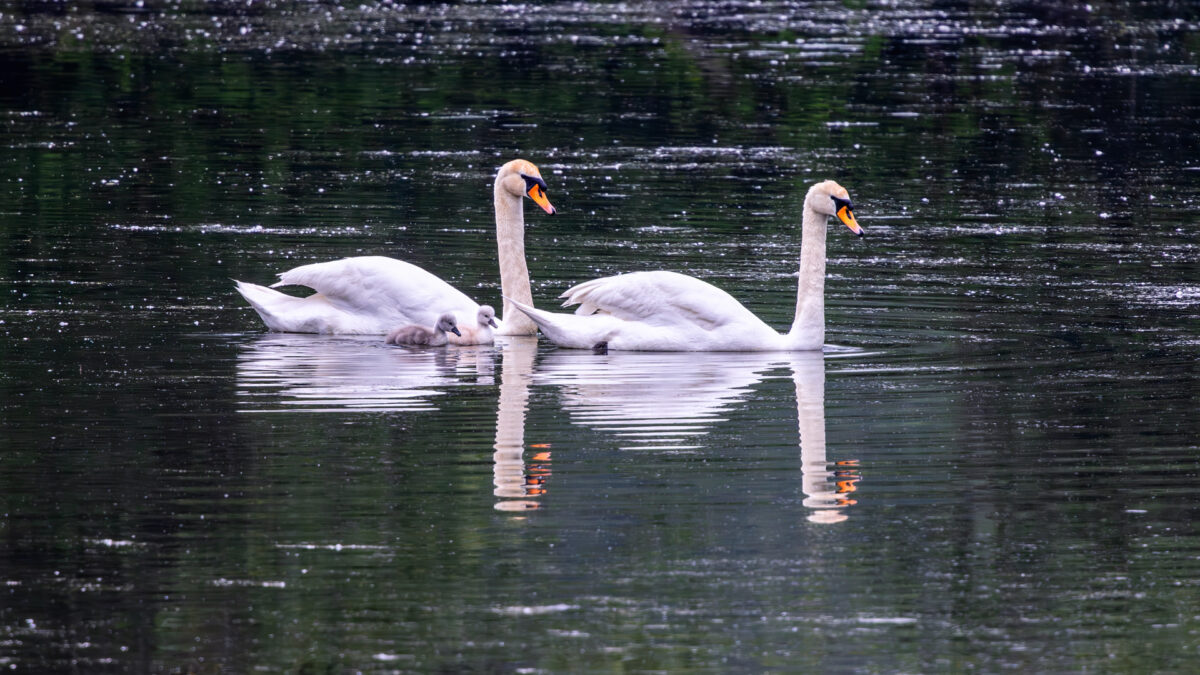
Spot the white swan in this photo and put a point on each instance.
(666, 311)
(370, 295)
(418, 335)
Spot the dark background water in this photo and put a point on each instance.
(998, 472)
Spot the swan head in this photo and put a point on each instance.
(447, 324)
(486, 316)
(521, 178)
(830, 199)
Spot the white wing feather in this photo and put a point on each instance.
(388, 286)
(660, 299)
(366, 296)
(655, 311)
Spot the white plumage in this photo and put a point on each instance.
(667, 311)
(370, 295)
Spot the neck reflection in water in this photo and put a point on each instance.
(517, 486)
(650, 401)
(827, 491)
(667, 402)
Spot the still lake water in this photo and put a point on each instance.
(997, 467)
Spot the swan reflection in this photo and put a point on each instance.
(292, 372)
(517, 485)
(650, 401)
(826, 490)
(668, 401)
(295, 372)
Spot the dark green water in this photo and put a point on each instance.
(998, 469)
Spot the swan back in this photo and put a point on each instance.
(660, 311)
(377, 292)
(659, 298)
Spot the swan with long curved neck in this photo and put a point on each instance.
(370, 295)
(666, 311)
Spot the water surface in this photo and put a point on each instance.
(993, 467)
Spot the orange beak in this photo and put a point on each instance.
(538, 195)
(845, 215)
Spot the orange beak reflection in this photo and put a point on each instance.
(538, 195)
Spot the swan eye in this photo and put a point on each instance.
(839, 204)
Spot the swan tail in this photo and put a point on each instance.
(567, 330)
(263, 300)
(285, 313)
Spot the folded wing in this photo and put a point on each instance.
(660, 298)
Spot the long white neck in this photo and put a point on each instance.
(510, 250)
(808, 328)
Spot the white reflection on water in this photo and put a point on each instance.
(667, 402)
(826, 490)
(650, 401)
(516, 485)
(290, 372)
(653, 400)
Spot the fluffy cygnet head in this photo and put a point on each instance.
(486, 316)
(447, 324)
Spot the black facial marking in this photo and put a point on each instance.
(530, 181)
(839, 203)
